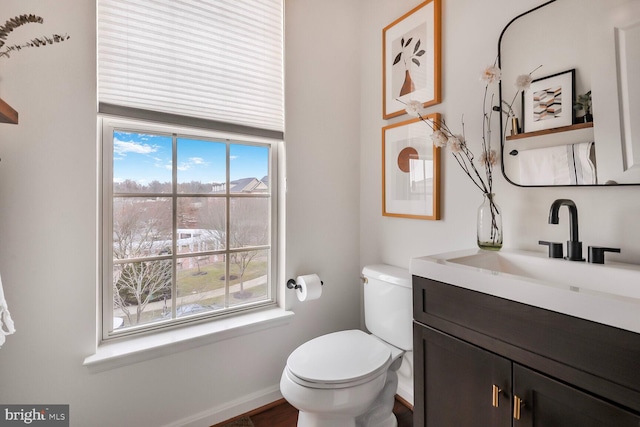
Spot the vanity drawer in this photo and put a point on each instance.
(600, 359)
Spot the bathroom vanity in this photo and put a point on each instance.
(513, 338)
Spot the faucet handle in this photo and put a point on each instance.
(555, 248)
(596, 253)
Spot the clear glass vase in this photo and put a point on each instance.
(489, 224)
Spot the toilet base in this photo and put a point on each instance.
(379, 414)
(306, 419)
(390, 421)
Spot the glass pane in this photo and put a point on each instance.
(248, 277)
(141, 227)
(141, 163)
(249, 169)
(201, 282)
(201, 166)
(201, 224)
(248, 222)
(141, 292)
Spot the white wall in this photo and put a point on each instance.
(470, 43)
(48, 190)
(334, 222)
(470, 32)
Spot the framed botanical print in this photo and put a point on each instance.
(411, 59)
(411, 169)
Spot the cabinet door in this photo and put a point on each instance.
(547, 402)
(454, 383)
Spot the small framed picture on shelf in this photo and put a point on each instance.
(411, 169)
(548, 103)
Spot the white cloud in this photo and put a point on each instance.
(197, 161)
(124, 147)
(190, 163)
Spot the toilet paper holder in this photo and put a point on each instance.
(292, 284)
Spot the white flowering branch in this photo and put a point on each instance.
(443, 136)
(523, 82)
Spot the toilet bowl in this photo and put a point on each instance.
(349, 378)
(339, 380)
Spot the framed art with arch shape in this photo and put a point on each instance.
(411, 169)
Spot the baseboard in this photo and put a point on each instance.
(405, 394)
(252, 413)
(404, 402)
(247, 405)
(231, 409)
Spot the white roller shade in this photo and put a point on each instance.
(217, 60)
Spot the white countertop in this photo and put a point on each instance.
(607, 294)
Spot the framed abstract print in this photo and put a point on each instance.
(411, 169)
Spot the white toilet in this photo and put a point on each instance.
(348, 378)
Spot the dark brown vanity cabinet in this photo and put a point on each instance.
(483, 361)
(455, 383)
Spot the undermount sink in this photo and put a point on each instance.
(608, 293)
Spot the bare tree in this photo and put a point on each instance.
(250, 228)
(141, 229)
(142, 232)
(143, 282)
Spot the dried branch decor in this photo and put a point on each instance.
(18, 21)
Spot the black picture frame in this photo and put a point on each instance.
(548, 102)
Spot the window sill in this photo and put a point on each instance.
(113, 355)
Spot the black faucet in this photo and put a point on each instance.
(574, 246)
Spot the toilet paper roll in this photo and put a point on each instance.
(310, 287)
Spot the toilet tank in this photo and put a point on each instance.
(388, 307)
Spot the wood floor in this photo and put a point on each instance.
(282, 414)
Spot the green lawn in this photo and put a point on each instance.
(211, 276)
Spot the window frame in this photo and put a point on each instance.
(108, 125)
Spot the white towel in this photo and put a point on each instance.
(584, 167)
(560, 165)
(6, 323)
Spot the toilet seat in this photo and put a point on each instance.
(338, 360)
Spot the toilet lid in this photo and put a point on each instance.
(340, 357)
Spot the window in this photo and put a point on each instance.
(190, 100)
(190, 226)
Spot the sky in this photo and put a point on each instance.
(144, 158)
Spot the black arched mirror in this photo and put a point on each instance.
(577, 124)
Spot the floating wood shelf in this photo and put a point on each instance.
(7, 114)
(550, 131)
